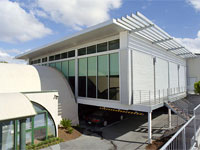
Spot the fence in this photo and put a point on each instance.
(153, 97)
(186, 137)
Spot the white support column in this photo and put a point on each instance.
(169, 118)
(149, 127)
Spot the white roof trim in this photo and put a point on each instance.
(138, 24)
(15, 106)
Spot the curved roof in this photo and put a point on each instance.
(28, 78)
(19, 106)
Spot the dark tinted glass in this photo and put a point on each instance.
(31, 62)
(57, 57)
(91, 49)
(71, 74)
(102, 47)
(38, 61)
(64, 55)
(81, 51)
(92, 73)
(44, 59)
(114, 77)
(103, 77)
(51, 58)
(114, 44)
(82, 73)
(71, 53)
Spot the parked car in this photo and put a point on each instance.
(103, 118)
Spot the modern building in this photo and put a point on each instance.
(127, 63)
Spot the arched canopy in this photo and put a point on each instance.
(15, 106)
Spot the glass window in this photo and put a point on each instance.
(91, 80)
(103, 76)
(64, 55)
(57, 57)
(91, 49)
(71, 54)
(44, 59)
(114, 77)
(58, 66)
(31, 63)
(81, 51)
(71, 76)
(52, 64)
(65, 68)
(114, 44)
(7, 135)
(102, 47)
(51, 58)
(82, 73)
(38, 61)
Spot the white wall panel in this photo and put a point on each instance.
(143, 76)
(161, 76)
(173, 73)
(182, 77)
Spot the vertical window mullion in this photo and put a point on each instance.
(108, 76)
(86, 78)
(96, 76)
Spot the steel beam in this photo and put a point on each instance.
(149, 127)
(173, 49)
(22, 139)
(169, 118)
(163, 40)
(183, 54)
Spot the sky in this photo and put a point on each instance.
(28, 24)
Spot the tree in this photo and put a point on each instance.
(197, 87)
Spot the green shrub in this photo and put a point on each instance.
(197, 87)
(70, 130)
(66, 123)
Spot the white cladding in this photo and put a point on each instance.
(148, 79)
(143, 75)
(173, 75)
(161, 76)
(182, 77)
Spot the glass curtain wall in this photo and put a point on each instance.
(64, 69)
(71, 77)
(114, 77)
(102, 77)
(92, 76)
(98, 77)
(82, 75)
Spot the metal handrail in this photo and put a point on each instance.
(177, 133)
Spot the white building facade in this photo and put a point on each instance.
(128, 63)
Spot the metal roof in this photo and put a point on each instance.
(138, 24)
(15, 106)
(143, 27)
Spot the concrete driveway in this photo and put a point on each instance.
(128, 134)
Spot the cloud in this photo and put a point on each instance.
(19, 25)
(195, 4)
(6, 56)
(192, 44)
(78, 13)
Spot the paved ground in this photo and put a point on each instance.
(129, 134)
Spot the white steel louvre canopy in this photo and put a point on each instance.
(143, 27)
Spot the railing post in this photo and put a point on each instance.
(163, 94)
(183, 139)
(195, 127)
